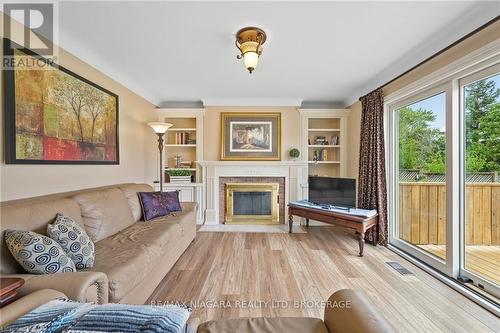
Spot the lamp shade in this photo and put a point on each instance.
(159, 127)
(250, 59)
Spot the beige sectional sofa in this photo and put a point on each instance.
(132, 256)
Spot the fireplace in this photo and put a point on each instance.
(254, 203)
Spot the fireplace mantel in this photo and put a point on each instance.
(294, 172)
(257, 163)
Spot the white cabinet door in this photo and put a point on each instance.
(186, 194)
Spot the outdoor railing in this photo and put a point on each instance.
(422, 213)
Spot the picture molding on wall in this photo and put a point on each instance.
(251, 136)
(49, 130)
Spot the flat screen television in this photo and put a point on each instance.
(332, 191)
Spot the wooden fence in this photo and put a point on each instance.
(422, 213)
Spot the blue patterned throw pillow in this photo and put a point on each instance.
(73, 240)
(36, 253)
(157, 204)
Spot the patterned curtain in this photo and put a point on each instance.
(372, 190)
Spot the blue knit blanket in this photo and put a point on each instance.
(71, 317)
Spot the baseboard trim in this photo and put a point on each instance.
(462, 289)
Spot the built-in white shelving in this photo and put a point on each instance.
(187, 145)
(174, 129)
(323, 141)
(323, 162)
(323, 129)
(324, 146)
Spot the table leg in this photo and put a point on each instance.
(361, 241)
(307, 223)
(290, 223)
(375, 235)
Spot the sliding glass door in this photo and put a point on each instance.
(480, 241)
(420, 175)
(444, 173)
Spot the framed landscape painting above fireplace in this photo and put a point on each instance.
(251, 136)
(54, 116)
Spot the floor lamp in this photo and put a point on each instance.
(160, 130)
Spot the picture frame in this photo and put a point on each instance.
(44, 126)
(252, 136)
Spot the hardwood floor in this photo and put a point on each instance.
(220, 271)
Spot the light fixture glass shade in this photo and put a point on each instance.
(250, 59)
(159, 127)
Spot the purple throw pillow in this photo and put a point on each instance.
(157, 204)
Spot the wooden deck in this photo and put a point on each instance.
(480, 259)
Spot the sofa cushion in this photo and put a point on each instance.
(158, 204)
(264, 325)
(73, 240)
(131, 193)
(104, 212)
(38, 254)
(31, 214)
(129, 256)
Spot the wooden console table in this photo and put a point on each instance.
(359, 223)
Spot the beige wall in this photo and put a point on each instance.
(353, 137)
(136, 144)
(478, 40)
(472, 43)
(290, 129)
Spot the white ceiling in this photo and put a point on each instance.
(331, 52)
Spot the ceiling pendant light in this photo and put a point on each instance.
(249, 41)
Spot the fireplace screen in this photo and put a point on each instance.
(252, 203)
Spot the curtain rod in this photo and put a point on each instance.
(443, 50)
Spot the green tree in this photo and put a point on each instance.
(421, 147)
(482, 126)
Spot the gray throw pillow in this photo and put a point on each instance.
(73, 240)
(37, 254)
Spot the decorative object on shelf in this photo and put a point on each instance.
(249, 41)
(160, 130)
(251, 136)
(179, 175)
(178, 161)
(182, 138)
(54, 116)
(335, 140)
(186, 164)
(320, 140)
(294, 153)
(323, 154)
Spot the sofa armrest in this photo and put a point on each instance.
(350, 311)
(15, 310)
(77, 286)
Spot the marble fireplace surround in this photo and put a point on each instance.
(294, 174)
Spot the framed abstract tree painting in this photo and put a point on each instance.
(54, 116)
